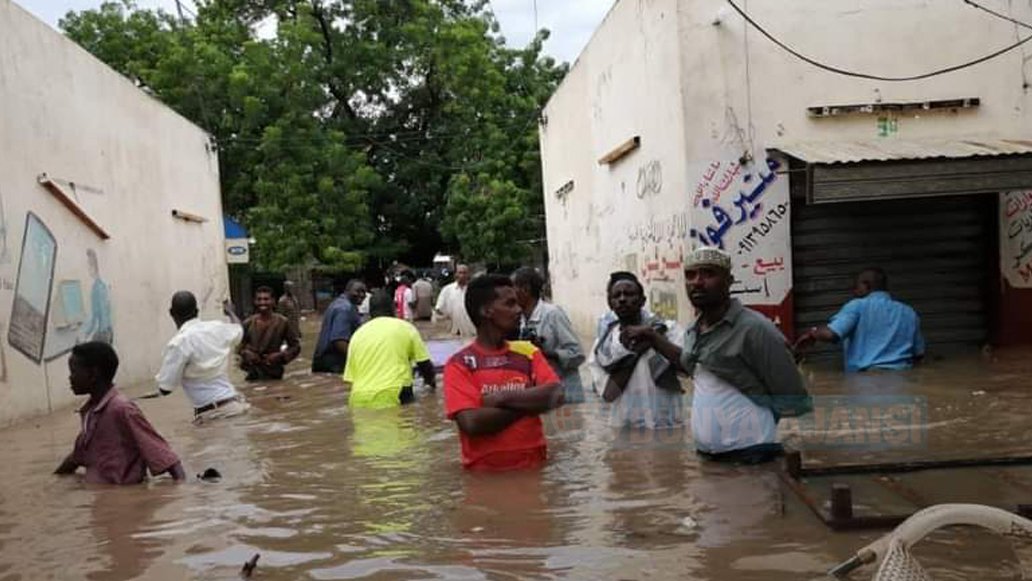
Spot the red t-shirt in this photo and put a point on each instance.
(476, 370)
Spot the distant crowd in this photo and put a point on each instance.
(520, 359)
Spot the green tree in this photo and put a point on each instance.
(360, 129)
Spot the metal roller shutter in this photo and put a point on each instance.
(936, 252)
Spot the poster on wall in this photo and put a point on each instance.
(1016, 238)
(238, 251)
(27, 331)
(739, 205)
(745, 211)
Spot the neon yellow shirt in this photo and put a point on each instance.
(381, 354)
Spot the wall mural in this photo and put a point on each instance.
(100, 327)
(50, 314)
(70, 321)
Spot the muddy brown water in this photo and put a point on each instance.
(325, 492)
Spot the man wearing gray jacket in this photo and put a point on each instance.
(549, 328)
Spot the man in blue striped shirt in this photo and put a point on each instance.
(876, 331)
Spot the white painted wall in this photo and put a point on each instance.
(615, 91)
(64, 113)
(697, 101)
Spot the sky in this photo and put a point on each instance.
(571, 22)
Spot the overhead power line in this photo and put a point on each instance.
(876, 77)
(997, 14)
(180, 8)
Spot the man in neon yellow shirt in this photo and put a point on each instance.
(380, 359)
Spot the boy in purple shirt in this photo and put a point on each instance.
(117, 445)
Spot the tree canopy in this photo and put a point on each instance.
(351, 131)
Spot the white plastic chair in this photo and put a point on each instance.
(893, 550)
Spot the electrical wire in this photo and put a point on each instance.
(997, 14)
(181, 7)
(870, 76)
(401, 136)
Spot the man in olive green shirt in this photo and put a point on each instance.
(744, 376)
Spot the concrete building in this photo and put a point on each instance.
(109, 202)
(681, 125)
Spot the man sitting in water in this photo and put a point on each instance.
(495, 390)
(744, 376)
(117, 445)
(197, 357)
(877, 332)
(380, 358)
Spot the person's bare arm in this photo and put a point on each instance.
(293, 345)
(486, 420)
(535, 400)
(230, 311)
(341, 346)
(821, 333)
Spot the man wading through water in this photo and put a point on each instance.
(496, 390)
(745, 378)
(196, 359)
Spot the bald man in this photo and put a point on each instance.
(340, 321)
(197, 358)
(875, 330)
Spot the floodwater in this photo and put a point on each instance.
(325, 492)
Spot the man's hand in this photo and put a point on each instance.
(177, 473)
(805, 340)
(250, 357)
(815, 334)
(639, 338)
(67, 466)
(230, 311)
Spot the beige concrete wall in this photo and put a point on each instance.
(133, 161)
(663, 70)
(615, 91)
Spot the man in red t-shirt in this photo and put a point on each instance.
(495, 390)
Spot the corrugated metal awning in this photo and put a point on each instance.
(842, 171)
(898, 149)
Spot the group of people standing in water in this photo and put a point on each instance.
(524, 359)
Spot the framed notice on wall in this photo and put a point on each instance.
(27, 331)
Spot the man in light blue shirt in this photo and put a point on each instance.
(876, 331)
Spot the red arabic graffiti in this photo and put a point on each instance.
(1018, 204)
(661, 267)
(718, 187)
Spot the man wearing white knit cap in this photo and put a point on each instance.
(744, 375)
